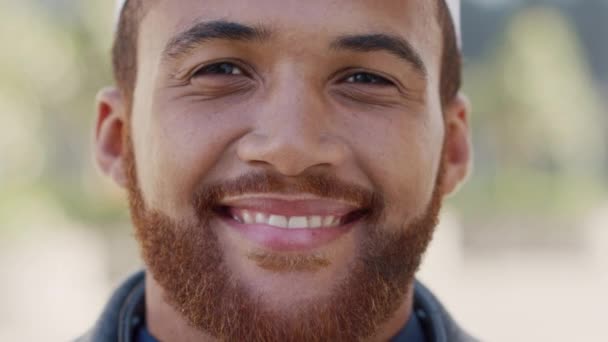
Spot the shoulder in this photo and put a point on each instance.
(436, 319)
(115, 322)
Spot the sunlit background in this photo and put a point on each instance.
(522, 251)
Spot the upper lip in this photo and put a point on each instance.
(291, 204)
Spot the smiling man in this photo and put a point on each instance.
(285, 162)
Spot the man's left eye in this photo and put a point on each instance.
(367, 78)
(224, 68)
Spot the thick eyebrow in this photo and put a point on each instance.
(382, 42)
(201, 32)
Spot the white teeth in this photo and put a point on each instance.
(298, 222)
(260, 218)
(315, 222)
(328, 221)
(277, 221)
(336, 222)
(247, 217)
(294, 222)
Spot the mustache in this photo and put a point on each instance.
(208, 196)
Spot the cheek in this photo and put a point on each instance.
(182, 144)
(401, 153)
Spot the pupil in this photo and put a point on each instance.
(225, 68)
(221, 69)
(365, 78)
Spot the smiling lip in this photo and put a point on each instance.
(294, 223)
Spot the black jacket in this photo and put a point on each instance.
(122, 313)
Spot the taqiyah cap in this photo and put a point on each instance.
(454, 6)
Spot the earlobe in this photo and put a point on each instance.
(457, 145)
(109, 126)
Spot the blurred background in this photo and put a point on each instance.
(522, 250)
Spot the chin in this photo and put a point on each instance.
(283, 277)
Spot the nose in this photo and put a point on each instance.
(294, 131)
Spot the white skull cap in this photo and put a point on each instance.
(119, 5)
(454, 6)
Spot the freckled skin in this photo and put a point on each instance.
(291, 110)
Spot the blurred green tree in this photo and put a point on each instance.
(54, 60)
(537, 122)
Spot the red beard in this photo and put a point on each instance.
(186, 260)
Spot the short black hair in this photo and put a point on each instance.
(124, 51)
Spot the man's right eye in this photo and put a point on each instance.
(368, 78)
(223, 68)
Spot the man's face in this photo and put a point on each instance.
(286, 160)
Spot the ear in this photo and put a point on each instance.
(109, 126)
(457, 146)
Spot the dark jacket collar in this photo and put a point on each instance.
(122, 314)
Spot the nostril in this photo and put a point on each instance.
(290, 152)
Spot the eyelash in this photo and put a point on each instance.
(368, 78)
(212, 69)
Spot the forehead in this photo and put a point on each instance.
(310, 23)
(310, 11)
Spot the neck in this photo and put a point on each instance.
(167, 324)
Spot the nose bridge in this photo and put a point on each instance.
(293, 128)
(297, 112)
